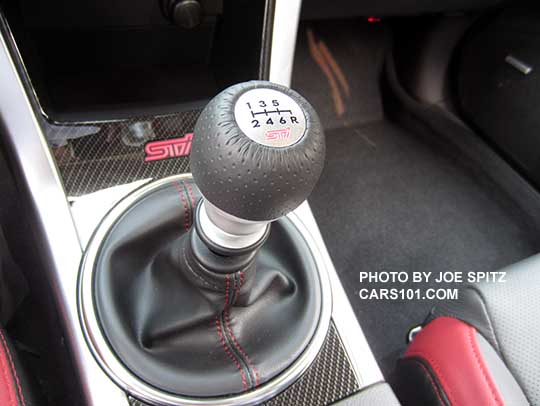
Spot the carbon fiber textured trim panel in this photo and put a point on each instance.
(94, 156)
(329, 379)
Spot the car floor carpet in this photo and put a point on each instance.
(336, 68)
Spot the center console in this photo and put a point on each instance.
(185, 260)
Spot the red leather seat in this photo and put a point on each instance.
(480, 350)
(13, 383)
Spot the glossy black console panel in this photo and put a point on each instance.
(105, 84)
(104, 60)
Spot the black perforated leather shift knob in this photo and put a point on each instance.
(258, 150)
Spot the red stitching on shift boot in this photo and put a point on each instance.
(232, 358)
(184, 202)
(239, 288)
(18, 383)
(227, 286)
(191, 194)
(229, 329)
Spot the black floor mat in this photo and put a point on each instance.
(387, 201)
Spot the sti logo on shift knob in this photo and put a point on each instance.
(282, 134)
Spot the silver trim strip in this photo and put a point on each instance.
(351, 334)
(61, 243)
(286, 18)
(141, 390)
(88, 210)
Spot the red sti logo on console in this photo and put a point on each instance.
(165, 149)
(274, 135)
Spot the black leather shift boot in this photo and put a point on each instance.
(181, 338)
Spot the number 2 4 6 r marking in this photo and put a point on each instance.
(282, 120)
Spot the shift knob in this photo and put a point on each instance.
(258, 151)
